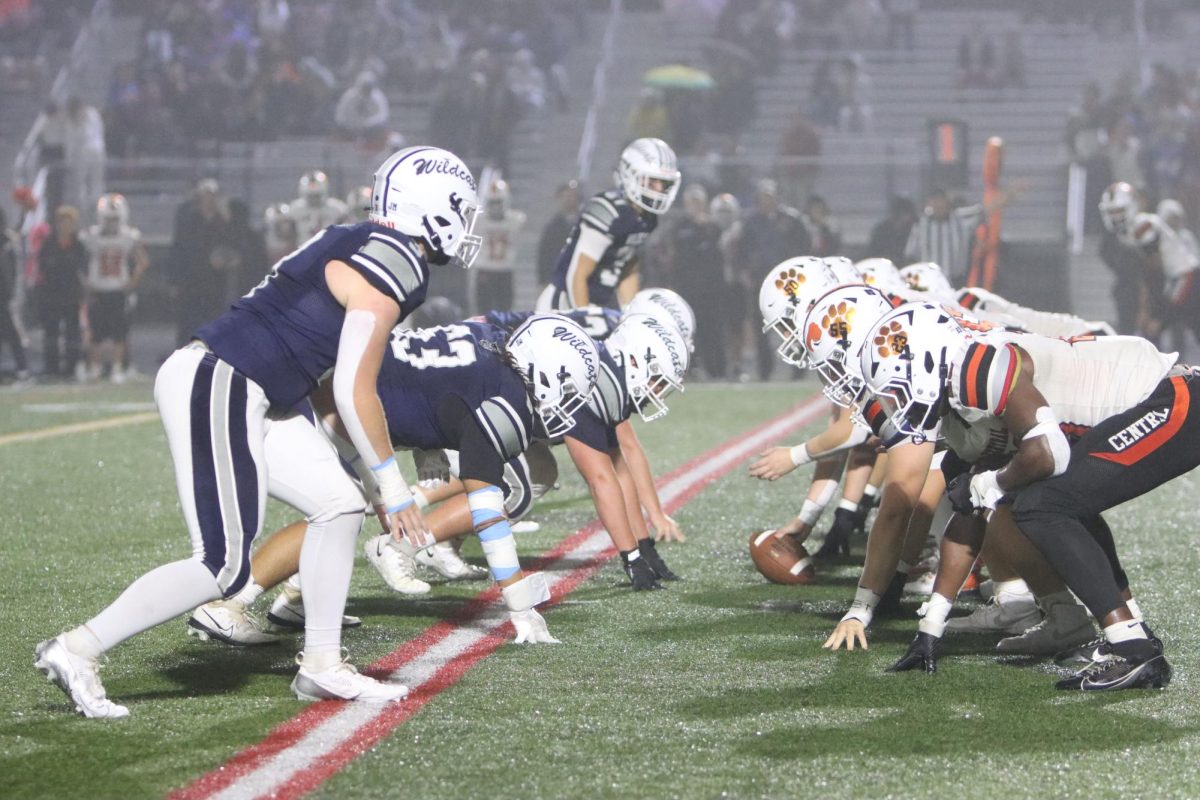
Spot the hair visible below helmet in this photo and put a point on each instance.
(497, 198)
(428, 193)
(314, 187)
(1118, 206)
(642, 162)
(927, 277)
(559, 363)
(655, 357)
(882, 274)
(112, 210)
(907, 362)
(843, 268)
(835, 330)
(784, 298)
(669, 305)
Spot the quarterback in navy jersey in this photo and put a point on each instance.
(599, 262)
(331, 305)
(461, 387)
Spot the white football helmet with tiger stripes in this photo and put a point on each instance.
(784, 298)
(644, 161)
(835, 331)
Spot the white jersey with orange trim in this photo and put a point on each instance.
(499, 241)
(311, 220)
(1151, 234)
(110, 262)
(1085, 380)
(992, 307)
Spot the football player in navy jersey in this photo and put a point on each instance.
(330, 305)
(599, 263)
(470, 387)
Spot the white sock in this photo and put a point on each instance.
(810, 512)
(1008, 591)
(1132, 605)
(870, 491)
(326, 561)
(249, 593)
(159, 595)
(847, 505)
(1124, 631)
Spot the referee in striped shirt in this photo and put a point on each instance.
(944, 234)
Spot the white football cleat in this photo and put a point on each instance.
(526, 526)
(921, 584)
(227, 621)
(287, 613)
(444, 559)
(343, 682)
(78, 677)
(395, 567)
(1067, 625)
(1014, 616)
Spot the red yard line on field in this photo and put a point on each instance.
(290, 732)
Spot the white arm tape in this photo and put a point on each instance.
(799, 455)
(527, 592)
(1056, 440)
(863, 607)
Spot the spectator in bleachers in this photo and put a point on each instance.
(824, 96)
(902, 19)
(1124, 151)
(799, 151)
(649, 117)
(772, 233)
(823, 228)
(976, 59)
(199, 259)
(499, 112)
(362, 111)
(1012, 61)
(10, 334)
(854, 92)
(889, 236)
(696, 271)
(557, 229)
(50, 132)
(62, 264)
(249, 250)
(737, 283)
(527, 81)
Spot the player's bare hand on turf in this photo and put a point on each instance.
(772, 464)
(531, 627)
(848, 632)
(922, 654)
(667, 530)
(408, 522)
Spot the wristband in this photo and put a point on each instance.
(863, 607)
(933, 620)
(800, 455)
(393, 491)
(419, 498)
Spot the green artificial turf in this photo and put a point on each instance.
(714, 687)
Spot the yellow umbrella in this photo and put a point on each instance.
(678, 76)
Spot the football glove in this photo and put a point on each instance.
(922, 653)
(650, 555)
(641, 575)
(433, 467)
(530, 627)
(958, 492)
(985, 491)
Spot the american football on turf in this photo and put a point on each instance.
(780, 559)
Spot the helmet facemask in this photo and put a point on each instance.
(649, 386)
(843, 388)
(464, 249)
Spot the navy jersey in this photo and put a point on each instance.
(284, 334)
(452, 388)
(608, 406)
(615, 217)
(596, 322)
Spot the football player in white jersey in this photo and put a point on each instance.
(1129, 403)
(492, 279)
(117, 261)
(1169, 292)
(314, 210)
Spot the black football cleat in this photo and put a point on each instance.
(1119, 672)
(837, 540)
(1084, 655)
(641, 574)
(649, 552)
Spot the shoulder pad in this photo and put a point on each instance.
(609, 399)
(600, 212)
(391, 258)
(987, 377)
(505, 426)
